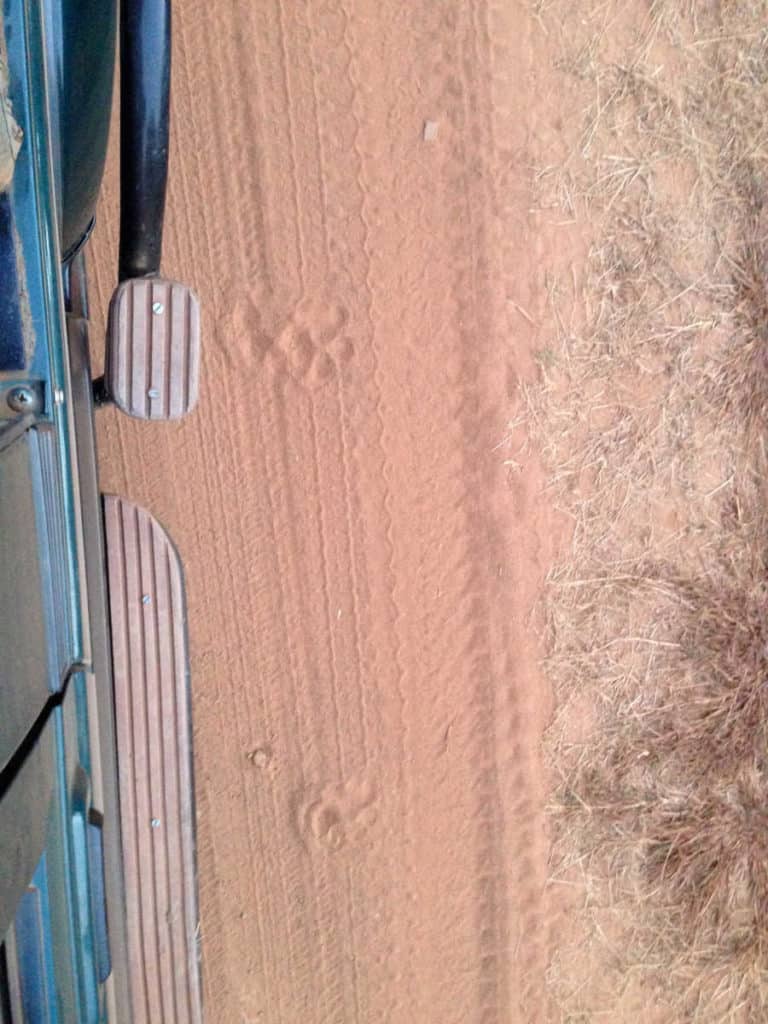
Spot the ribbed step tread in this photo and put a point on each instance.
(153, 719)
(152, 364)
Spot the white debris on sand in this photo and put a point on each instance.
(431, 129)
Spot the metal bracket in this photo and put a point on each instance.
(21, 398)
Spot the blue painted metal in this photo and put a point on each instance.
(35, 952)
(51, 203)
(75, 806)
(98, 894)
(65, 949)
(60, 961)
(81, 44)
(33, 208)
(62, 943)
(71, 927)
(25, 808)
(59, 578)
(12, 349)
(25, 665)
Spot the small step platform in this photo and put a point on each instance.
(154, 749)
(152, 363)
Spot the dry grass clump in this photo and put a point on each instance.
(743, 376)
(652, 413)
(683, 775)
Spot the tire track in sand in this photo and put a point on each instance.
(360, 584)
(381, 667)
(453, 641)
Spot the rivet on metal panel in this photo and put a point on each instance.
(22, 399)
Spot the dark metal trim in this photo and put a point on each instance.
(145, 84)
(79, 245)
(101, 654)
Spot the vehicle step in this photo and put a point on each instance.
(154, 749)
(152, 360)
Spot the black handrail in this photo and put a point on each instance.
(145, 85)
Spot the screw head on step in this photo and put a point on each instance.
(22, 399)
(158, 308)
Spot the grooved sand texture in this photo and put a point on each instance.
(363, 540)
(153, 715)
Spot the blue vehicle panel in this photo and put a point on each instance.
(55, 954)
(69, 952)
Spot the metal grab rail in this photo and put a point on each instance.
(145, 86)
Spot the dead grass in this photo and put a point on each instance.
(652, 412)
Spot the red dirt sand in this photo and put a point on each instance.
(363, 543)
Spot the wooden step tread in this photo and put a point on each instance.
(154, 747)
(152, 359)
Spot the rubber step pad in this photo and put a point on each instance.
(153, 721)
(152, 360)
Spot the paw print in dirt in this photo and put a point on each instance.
(245, 340)
(335, 815)
(313, 345)
(308, 347)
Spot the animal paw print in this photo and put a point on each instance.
(335, 815)
(310, 346)
(313, 345)
(246, 340)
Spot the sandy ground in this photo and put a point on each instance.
(364, 549)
